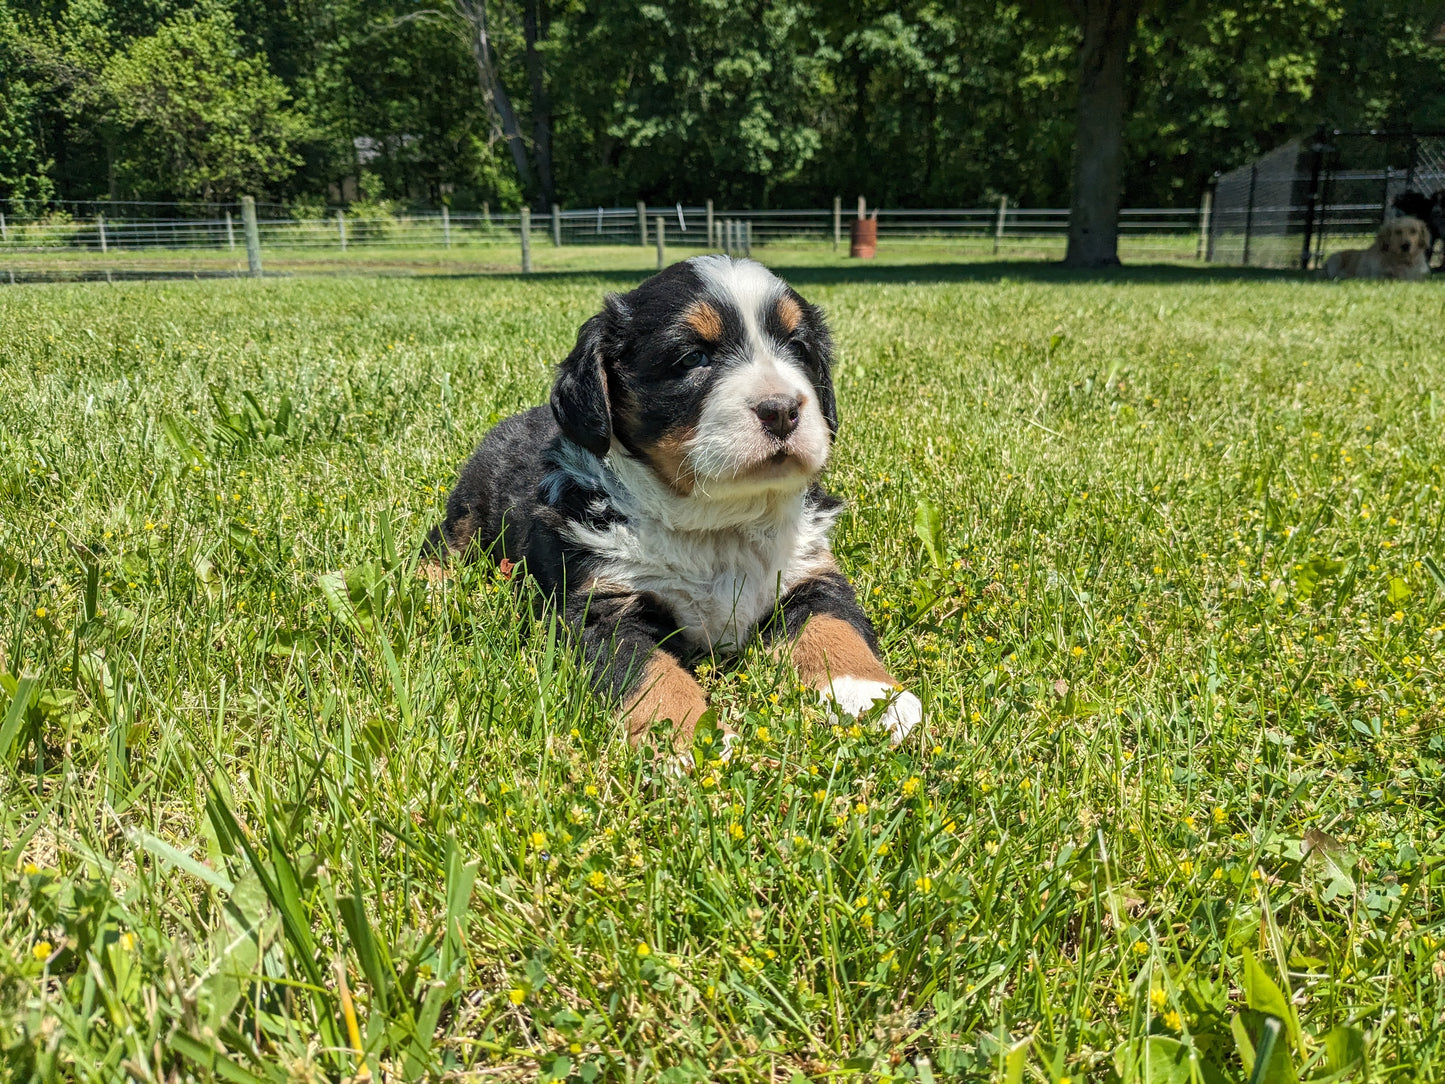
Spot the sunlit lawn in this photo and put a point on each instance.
(271, 809)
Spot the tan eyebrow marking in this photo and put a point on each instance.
(789, 312)
(705, 320)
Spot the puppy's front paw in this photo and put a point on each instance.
(856, 695)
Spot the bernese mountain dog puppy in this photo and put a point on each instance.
(667, 500)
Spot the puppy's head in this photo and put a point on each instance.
(1404, 237)
(714, 373)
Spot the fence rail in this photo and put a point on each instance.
(1167, 232)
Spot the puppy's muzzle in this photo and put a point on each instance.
(779, 415)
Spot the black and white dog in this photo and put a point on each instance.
(668, 498)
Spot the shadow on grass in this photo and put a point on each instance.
(983, 271)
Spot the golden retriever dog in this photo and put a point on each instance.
(1401, 251)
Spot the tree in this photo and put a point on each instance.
(214, 121)
(1107, 28)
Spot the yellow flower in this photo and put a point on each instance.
(42, 950)
(516, 995)
(764, 735)
(1219, 815)
(574, 1048)
(127, 941)
(1158, 998)
(820, 794)
(150, 526)
(31, 869)
(41, 611)
(590, 791)
(1172, 1021)
(538, 840)
(1187, 868)
(1076, 651)
(597, 880)
(910, 786)
(883, 849)
(736, 830)
(1140, 948)
(642, 949)
(924, 884)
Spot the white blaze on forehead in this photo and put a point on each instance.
(746, 285)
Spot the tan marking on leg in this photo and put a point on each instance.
(434, 571)
(668, 692)
(789, 312)
(704, 319)
(668, 457)
(829, 647)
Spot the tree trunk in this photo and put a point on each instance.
(494, 94)
(536, 20)
(1108, 27)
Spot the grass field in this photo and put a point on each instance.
(70, 264)
(1161, 553)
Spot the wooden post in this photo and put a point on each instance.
(341, 227)
(709, 224)
(837, 222)
(253, 234)
(998, 225)
(727, 236)
(748, 238)
(526, 240)
(862, 208)
(556, 226)
(4, 233)
(100, 226)
(1206, 208)
(230, 233)
(486, 212)
(642, 223)
(446, 227)
(660, 229)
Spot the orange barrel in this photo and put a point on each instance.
(863, 239)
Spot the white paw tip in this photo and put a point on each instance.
(856, 695)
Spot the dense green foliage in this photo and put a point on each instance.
(1159, 553)
(778, 104)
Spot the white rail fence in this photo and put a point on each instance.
(1167, 232)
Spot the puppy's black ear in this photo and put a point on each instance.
(820, 354)
(580, 401)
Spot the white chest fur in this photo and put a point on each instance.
(720, 568)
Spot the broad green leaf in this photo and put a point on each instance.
(928, 526)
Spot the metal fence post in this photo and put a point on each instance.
(556, 226)
(446, 227)
(526, 240)
(1313, 206)
(748, 238)
(253, 234)
(1249, 212)
(709, 224)
(341, 227)
(4, 233)
(230, 233)
(642, 223)
(999, 224)
(837, 222)
(100, 227)
(1206, 210)
(660, 229)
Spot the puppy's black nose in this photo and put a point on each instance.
(779, 415)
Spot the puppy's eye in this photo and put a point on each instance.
(695, 359)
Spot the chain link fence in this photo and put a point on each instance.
(1302, 200)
